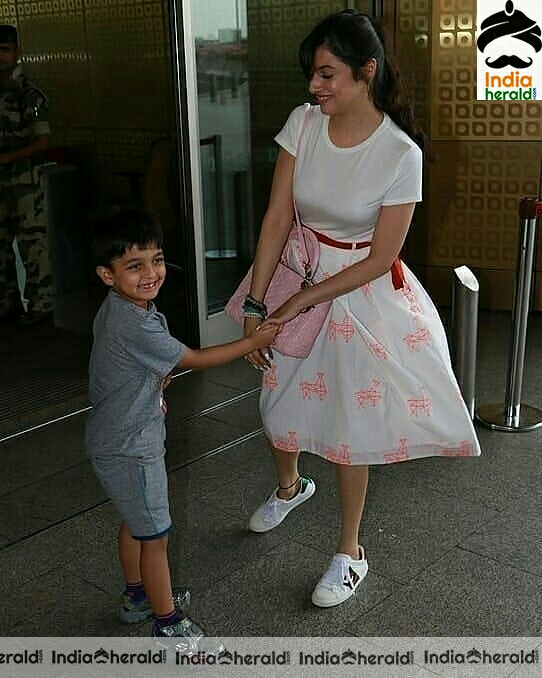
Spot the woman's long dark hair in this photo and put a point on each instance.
(354, 38)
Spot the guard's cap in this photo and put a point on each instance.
(8, 33)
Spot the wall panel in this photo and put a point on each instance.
(487, 155)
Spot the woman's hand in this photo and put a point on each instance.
(289, 309)
(265, 333)
(261, 357)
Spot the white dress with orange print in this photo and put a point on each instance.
(378, 385)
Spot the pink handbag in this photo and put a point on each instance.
(298, 261)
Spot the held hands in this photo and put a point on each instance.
(263, 334)
(259, 358)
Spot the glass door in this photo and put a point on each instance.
(242, 79)
(218, 111)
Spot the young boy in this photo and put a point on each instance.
(132, 357)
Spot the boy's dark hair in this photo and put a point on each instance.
(120, 228)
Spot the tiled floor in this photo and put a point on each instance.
(454, 545)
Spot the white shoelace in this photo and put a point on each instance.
(270, 510)
(338, 574)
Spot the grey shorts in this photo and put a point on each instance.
(139, 490)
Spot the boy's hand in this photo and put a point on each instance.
(262, 335)
(265, 334)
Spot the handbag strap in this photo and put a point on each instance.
(300, 233)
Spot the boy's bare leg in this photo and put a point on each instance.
(147, 562)
(155, 575)
(129, 556)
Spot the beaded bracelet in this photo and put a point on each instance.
(255, 303)
(253, 314)
(252, 305)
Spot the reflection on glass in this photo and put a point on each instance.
(224, 122)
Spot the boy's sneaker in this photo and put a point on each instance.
(194, 640)
(181, 601)
(341, 580)
(273, 511)
(131, 612)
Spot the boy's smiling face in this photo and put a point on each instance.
(137, 275)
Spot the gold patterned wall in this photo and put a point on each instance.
(408, 24)
(275, 29)
(277, 85)
(487, 155)
(104, 68)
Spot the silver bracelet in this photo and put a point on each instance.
(253, 314)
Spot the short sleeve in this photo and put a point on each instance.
(36, 112)
(288, 136)
(406, 185)
(151, 344)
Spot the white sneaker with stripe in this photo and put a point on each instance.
(273, 511)
(341, 580)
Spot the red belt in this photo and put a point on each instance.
(396, 269)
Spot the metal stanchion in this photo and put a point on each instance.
(512, 415)
(465, 332)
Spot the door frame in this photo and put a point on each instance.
(215, 328)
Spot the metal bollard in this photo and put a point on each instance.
(465, 332)
(512, 415)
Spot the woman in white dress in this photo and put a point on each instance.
(378, 385)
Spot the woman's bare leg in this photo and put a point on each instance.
(352, 483)
(287, 472)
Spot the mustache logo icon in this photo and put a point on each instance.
(505, 60)
(511, 23)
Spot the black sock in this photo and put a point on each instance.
(135, 591)
(167, 619)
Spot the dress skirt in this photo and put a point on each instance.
(378, 385)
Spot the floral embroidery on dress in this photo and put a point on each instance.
(400, 455)
(317, 387)
(417, 405)
(345, 329)
(288, 444)
(369, 397)
(464, 450)
(341, 455)
(414, 304)
(378, 350)
(270, 381)
(414, 339)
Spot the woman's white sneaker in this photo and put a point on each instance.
(273, 511)
(341, 580)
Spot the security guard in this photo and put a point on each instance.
(24, 134)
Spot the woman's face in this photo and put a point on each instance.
(333, 84)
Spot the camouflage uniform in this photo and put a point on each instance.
(23, 116)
